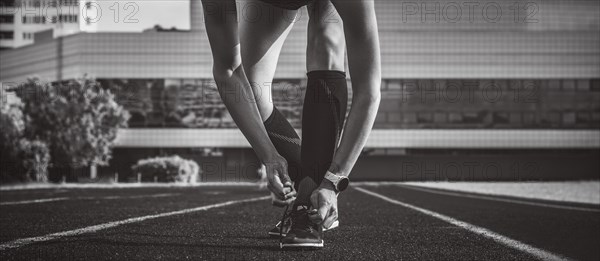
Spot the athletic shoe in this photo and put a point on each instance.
(277, 232)
(304, 233)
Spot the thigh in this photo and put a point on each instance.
(263, 30)
(222, 30)
(326, 47)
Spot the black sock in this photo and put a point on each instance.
(323, 116)
(286, 141)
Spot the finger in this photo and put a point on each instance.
(276, 180)
(329, 220)
(276, 187)
(323, 211)
(291, 194)
(323, 208)
(315, 217)
(285, 178)
(332, 217)
(276, 201)
(287, 189)
(275, 193)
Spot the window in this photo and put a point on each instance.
(67, 18)
(34, 19)
(8, 3)
(492, 103)
(7, 19)
(6, 35)
(27, 36)
(69, 2)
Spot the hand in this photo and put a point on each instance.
(279, 183)
(324, 200)
(275, 201)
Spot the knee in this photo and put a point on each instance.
(225, 68)
(222, 74)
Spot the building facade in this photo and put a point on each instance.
(20, 20)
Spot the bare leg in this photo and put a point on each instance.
(323, 104)
(326, 46)
(263, 30)
(222, 30)
(326, 96)
(361, 36)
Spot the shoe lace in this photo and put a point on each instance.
(286, 215)
(299, 219)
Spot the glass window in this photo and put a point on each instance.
(6, 35)
(196, 103)
(7, 19)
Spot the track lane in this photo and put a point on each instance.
(370, 229)
(567, 232)
(509, 242)
(89, 207)
(95, 228)
(516, 200)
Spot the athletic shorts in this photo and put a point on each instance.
(288, 4)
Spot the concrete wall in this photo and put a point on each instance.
(240, 165)
(481, 166)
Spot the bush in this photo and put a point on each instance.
(11, 131)
(77, 119)
(35, 157)
(21, 159)
(167, 169)
(11, 124)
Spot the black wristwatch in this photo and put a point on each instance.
(340, 183)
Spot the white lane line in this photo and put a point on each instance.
(509, 242)
(516, 201)
(132, 197)
(33, 201)
(43, 200)
(26, 241)
(124, 185)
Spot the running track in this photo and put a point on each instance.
(229, 222)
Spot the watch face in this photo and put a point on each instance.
(343, 184)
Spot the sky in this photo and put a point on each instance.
(134, 16)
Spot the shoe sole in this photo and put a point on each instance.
(302, 245)
(335, 225)
(276, 234)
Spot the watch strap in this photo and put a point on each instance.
(335, 179)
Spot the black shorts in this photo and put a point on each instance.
(288, 4)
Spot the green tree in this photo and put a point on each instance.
(11, 130)
(34, 157)
(20, 158)
(78, 119)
